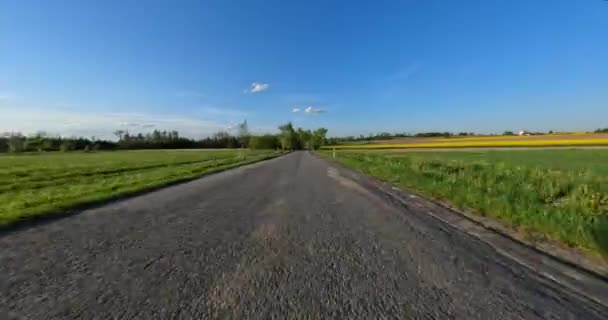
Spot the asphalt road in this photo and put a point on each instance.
(288, 238)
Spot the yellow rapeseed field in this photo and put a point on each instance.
(555, 136)
(482, 143)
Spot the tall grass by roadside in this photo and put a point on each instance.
(39, 184)
(561, 194)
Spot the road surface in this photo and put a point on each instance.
(288, 238)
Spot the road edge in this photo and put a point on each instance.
(579, 279)
(35, 220)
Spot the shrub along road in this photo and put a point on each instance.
(286, 238)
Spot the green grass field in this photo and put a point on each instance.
(561, 194)
(39, 184)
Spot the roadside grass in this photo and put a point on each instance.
(33, 185)
(561, 194)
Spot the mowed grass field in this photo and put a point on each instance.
(33, 185)
(548, 140)
(556, 194)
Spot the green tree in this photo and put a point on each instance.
(66, 146)
(291, 139)
(267, 141)
(287, 137)
(319, 138)
(305, 139)
(243, 134)
(119, 134)
(16, 143)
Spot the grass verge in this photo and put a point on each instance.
(560, 194)
(36, 185)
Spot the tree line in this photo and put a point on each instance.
(288, 138)
(388, 136)
(16, 142)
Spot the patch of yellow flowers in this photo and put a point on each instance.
(481, 143)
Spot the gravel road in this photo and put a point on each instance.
(289, 238)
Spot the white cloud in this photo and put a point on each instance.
(128, 124)
(311, 110)
(308, 110)
(71, 124)
(102, 125)
(257, 87)
(232, 126)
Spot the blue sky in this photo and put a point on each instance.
(91, 67)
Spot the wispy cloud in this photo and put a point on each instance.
(128, 124)
(69, 124)
(312, 110)
(6, 95)
(102, 125)
(308, 110)
(257, 87)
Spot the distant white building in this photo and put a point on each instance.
(524, 133)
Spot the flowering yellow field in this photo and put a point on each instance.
(487, 142)
(569, 136)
